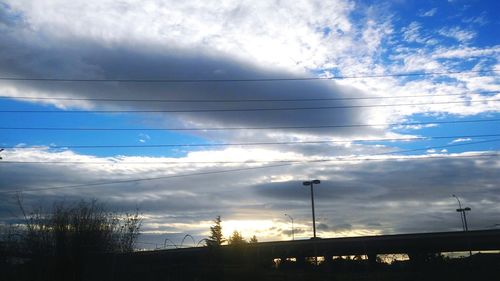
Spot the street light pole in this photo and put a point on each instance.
(462, 213)
(466, 209)
(464, 218)
(311, 184)
(460, 207)
(293, 234)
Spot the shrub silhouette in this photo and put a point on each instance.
(85, 227)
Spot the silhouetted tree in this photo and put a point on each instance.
(59, 242)
(236, 239)
(253, 239)
(216, 238)
(82, 228)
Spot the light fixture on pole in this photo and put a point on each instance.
(311, 184)
(291, 218)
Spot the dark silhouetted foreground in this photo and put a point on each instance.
(289, 260)
(60, 243)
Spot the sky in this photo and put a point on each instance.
(187, 110)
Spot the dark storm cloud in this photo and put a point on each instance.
(336, 189)
(388, 196)
(24, 53)
(395, 196)
(395, 180)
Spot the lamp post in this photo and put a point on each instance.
(461, 216)
(462, 211)
(311, 184)
(293, 234)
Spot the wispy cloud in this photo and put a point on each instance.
(457, 33)
(428, 13)
(461, 140)
(143, 138)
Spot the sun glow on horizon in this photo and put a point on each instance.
(248, 228)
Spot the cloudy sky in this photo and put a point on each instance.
(191, 109)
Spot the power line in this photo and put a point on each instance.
(236, 170)
(237, 100)
(242, 109)
(48, 79)
(252, 128)
(239, 162)
(251, 143)
(139, 180)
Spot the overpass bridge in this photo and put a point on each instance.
(415, 245)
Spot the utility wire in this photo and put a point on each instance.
(251, 143)
(141, 179)
(242, 109)
(242, 162)
(48, 79)
(239, 100)
(252, 128)
(233, 170)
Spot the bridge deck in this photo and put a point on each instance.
(478, 240)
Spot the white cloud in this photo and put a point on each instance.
(466, 52)
(428, 13)
(282, 33)
(461, 140)
(143, 138)
(213, 42)
(413, 33)
(479, 20)
(457, 33)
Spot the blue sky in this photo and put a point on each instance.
(454, 43)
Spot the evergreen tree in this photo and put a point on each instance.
(253, 239)
(216, 238)
(237, 239)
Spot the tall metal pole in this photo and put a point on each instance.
(461, 213)
(465, 220)
(464, 210)
(311, 184)
(312, 204)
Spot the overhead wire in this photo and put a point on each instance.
(407, 139)
(241, 100)
(232, 170)
(253, 128)
(243, 109)
(114, 161)
(276, 79)
(39, 79)
(253, 168)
